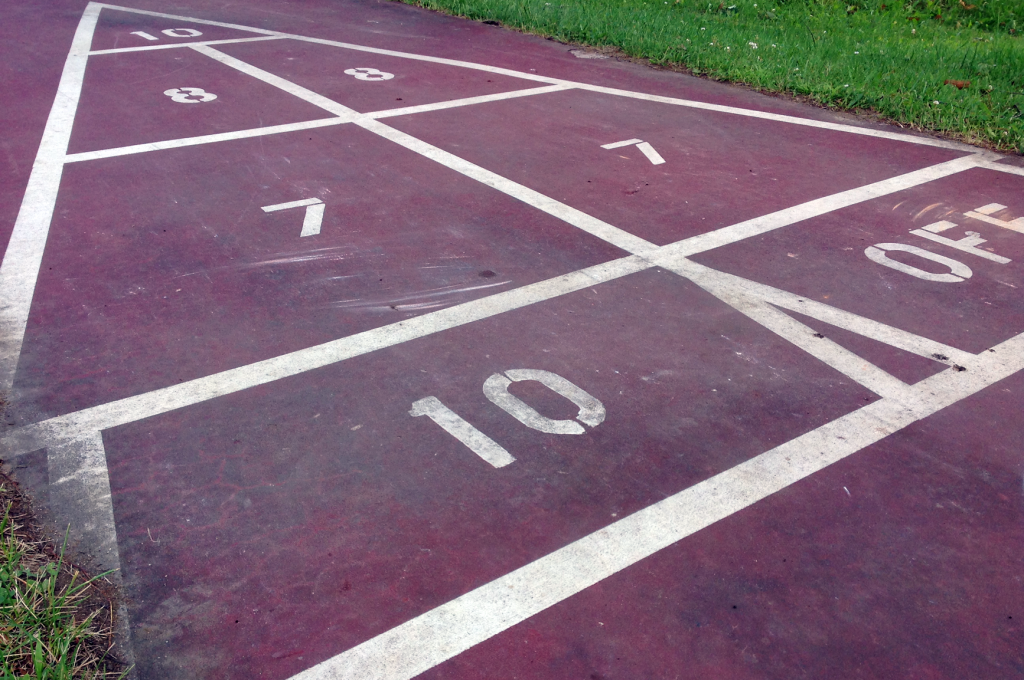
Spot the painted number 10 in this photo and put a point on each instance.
(591, 412)
(172, 33)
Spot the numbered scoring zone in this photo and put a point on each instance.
(385, 486)
(195, 95)
(496, 388)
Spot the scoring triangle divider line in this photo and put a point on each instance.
(23, 258)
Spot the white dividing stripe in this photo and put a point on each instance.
(577, 218)
(752, 113)
(828, 352)
(729, 290)
(1012, 169)
(900, 339)
(294, 127)
(204, 139)
(468, 101)
(277, 81)
(80, 502)
(79, 490)
(652, 155)
(162, 15)
(63, 428)
(23, 258)
(171, 46)
(718, 108)
(616, 145)
(32, 437)
(290, 204)
(821, 206)
(780, 118)
(450, 629)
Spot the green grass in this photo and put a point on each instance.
(49, 627)
(888, 57)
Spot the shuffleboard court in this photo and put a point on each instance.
(364, 342)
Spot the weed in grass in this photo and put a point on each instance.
(902, 59)
(50, 627)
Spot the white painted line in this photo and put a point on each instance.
(162, 15)
(821, 206)
(204, 139)
(80, 502)
(277, 81)
(291, 204)
(23, 258)
(780, 118)
(468, 101)
(732, 292)
(71, 426)
(62, 428)
(577, 218)
(752, 113)
(450, 629)
(455, 425)
(616, 145)
(80, 497)
(894, 337)
(1012, 169)
(169, 46)
(294, 127)
(755, 479)
(652, 155)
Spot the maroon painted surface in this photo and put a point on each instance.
(322, 69)
(824, 259)
(915, 573)
(177, 273)
(267, 530)
(114, 30)
(350, 516)
(123, 101)
(720, 168)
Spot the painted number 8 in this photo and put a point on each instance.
(189, 95)
(369, 74)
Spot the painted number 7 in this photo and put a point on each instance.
(591, 412)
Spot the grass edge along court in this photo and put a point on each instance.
(944, 66)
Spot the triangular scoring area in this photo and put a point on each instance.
(906, 366)
(119, 29)
(134, 98)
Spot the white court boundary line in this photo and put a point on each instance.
(635, 542)
(306, 125)
(781, 118)
(24, 255)
(437, 635)
(149, 48)
(71, 426)
(1012, 169)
